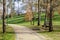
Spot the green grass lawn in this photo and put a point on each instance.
(9, 35)
(55, 35)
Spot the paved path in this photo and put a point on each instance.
(24, 33)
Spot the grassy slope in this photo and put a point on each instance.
(55, 35)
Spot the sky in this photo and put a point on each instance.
(18, 7)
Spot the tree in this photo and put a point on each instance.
(50, 17)
(4, 11)
(10, 5)
(28, 15)
(45, 4)
(38, 12)
(30, 5)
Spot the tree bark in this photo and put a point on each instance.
(38, 13)
(4, 11)
(50, 17)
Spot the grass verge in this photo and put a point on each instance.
(9, 35)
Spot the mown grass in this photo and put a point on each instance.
(9, 35)
(55, 35)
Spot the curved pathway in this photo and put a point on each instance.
(24, 33)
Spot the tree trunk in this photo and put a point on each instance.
(50, 17)
(10, 6)
(38, 13)
(4, 11)
(45, 20)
